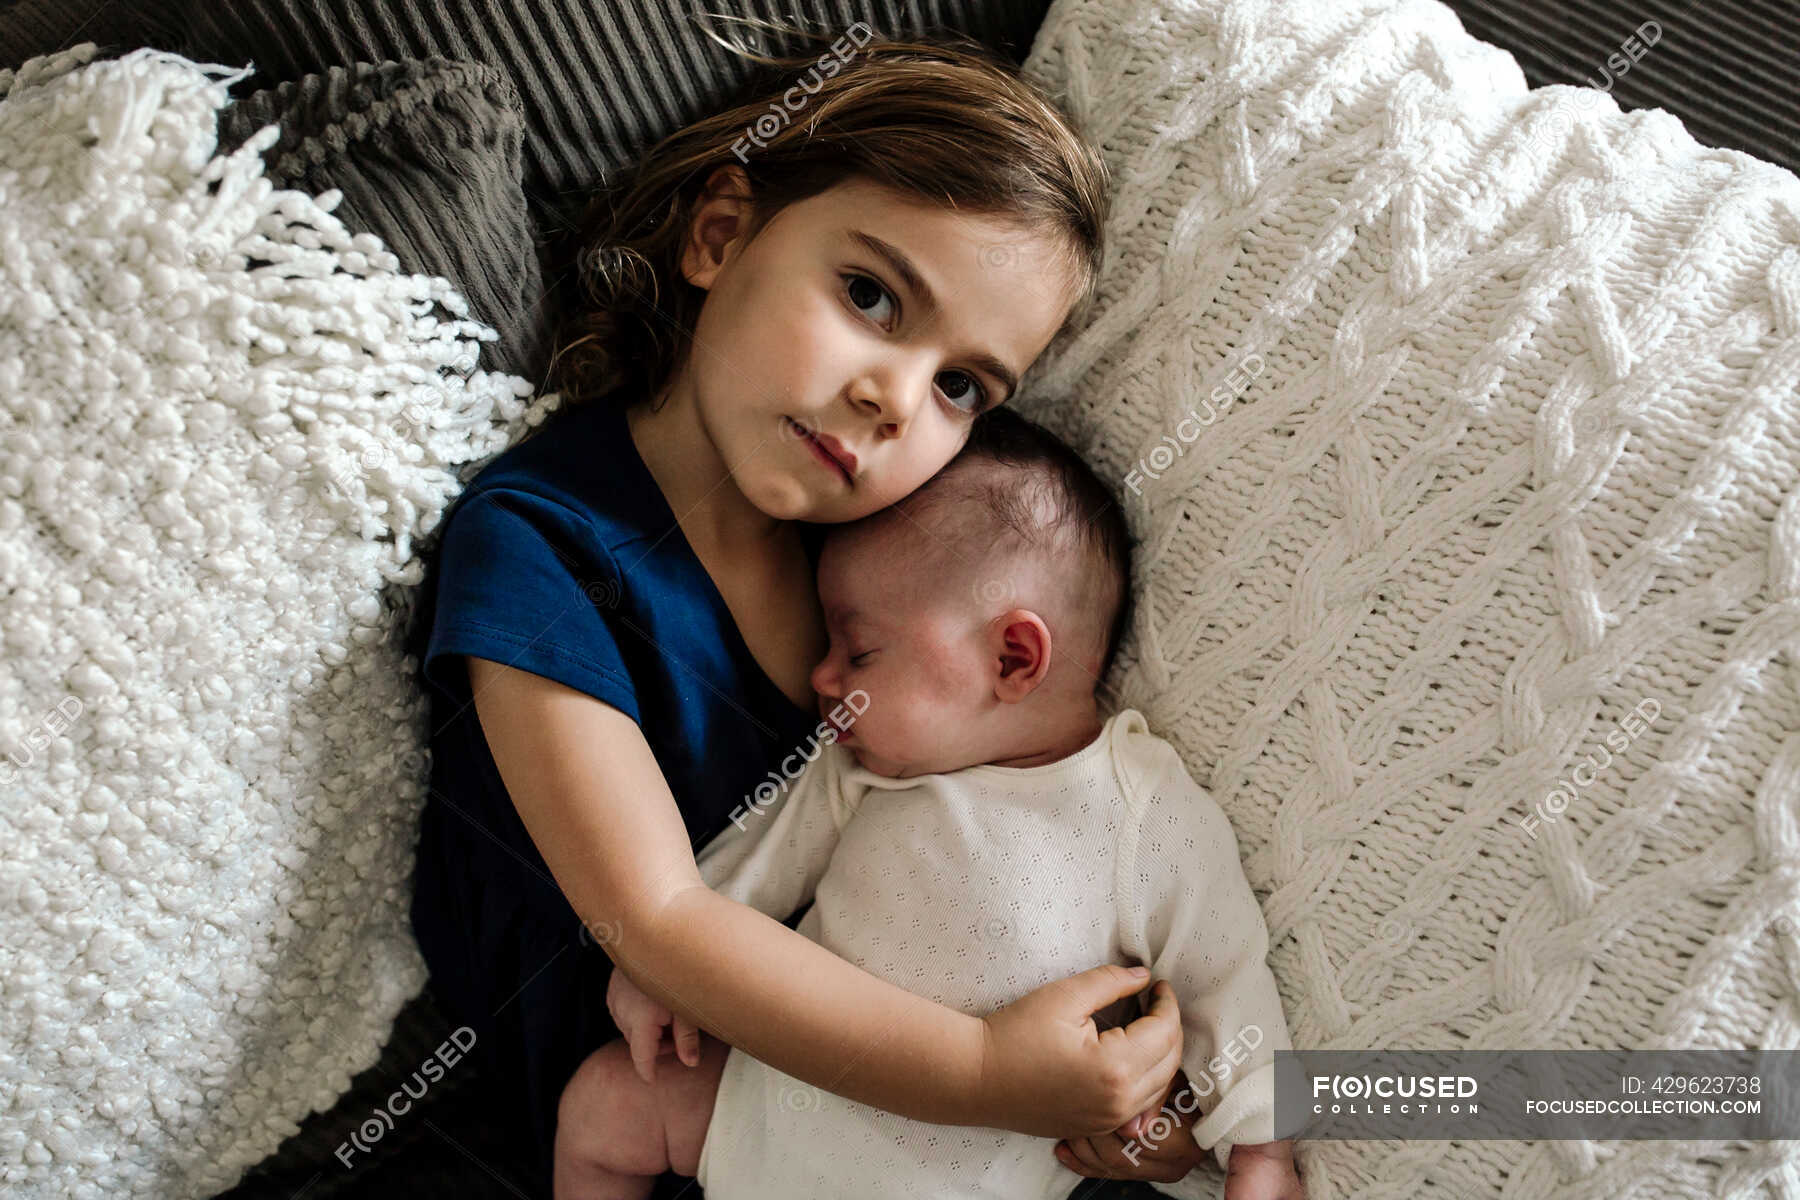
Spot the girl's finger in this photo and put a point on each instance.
(1156, 1036)
(1152, 1094)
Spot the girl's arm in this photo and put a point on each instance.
(595, 802)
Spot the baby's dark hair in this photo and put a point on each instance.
(1054, 503)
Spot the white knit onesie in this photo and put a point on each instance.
(973, 888)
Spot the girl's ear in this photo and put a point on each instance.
(1022, 650)
(720, 221)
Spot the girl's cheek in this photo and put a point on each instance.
(796, 310)
(823, 331)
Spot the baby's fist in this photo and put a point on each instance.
(1264, 1171)
(641, 1018)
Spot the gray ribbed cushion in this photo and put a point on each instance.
(29, 28)
(428, 156)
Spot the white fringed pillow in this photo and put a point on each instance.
(225, 424)
(1459, 423)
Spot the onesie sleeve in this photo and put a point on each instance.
(1188, 912)
(775, 850)
(523, 580)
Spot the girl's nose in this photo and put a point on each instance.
(890, 393)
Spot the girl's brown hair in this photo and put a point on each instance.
(941, 120)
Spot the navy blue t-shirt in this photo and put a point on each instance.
(562, 558)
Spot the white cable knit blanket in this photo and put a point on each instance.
(1460, 425)
(224, 422)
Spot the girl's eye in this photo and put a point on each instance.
(965, 392)
(879, 295)
(857, 660)
(971, 397)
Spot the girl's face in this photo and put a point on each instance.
(843, 351)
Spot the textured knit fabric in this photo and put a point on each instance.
(1459, 422)
(226, 424)
(562, 559)
(427, 157)
(973, 888)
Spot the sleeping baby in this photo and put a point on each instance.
(968, 826)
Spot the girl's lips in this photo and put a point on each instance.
(818, 450)
(839, 451)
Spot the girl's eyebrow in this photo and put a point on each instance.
(914, 283)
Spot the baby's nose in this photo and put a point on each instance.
(824, 679)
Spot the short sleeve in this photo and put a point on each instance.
(780, 841)
(523, 580)
(1188, 911)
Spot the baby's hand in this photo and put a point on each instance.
(641, 1019)
(1264, 1171)
(1126, 1153)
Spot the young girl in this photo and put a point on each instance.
(800, 307)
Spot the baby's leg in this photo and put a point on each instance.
(615, 1133)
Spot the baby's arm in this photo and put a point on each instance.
(773, 859)
(1187, 909)
(591, 795)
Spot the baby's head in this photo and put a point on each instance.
(978, 616)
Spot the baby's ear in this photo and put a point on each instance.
(1021, 654)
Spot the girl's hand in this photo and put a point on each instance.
(1129, 1153)
(1047, 1070)
(1264, 1171)
(641, 1019)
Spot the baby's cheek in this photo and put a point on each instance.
(898, 716)
(960, 672)
(935, 709)
(928, 721)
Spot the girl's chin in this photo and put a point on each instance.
(780, 499)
